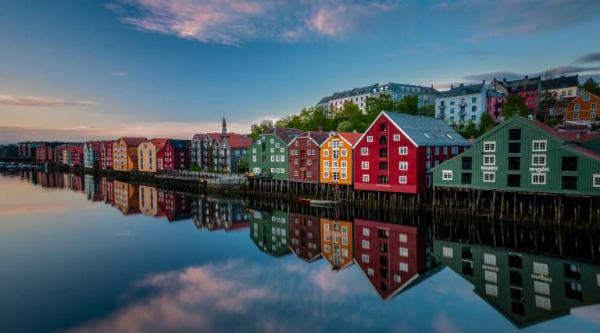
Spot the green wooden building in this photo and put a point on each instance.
(526, 288)
(527, 156)
(270, 231)
(269, 153)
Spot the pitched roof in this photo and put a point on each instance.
(179, 144)
(515, 86)
(159, 143)
(427, 131)
(348, 93)
(561, 82)
(286, 134)
(133, 142)
(351, 137)
(569, 136)
(215, 136)
(494, 93)
(411, 88)
(463, 90)
(318, 137)
(238, 141)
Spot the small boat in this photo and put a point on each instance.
(325, 202)
(305, 201)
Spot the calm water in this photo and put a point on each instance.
(93, 255)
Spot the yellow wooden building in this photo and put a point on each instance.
(125, 154)
(336, 158)
(147, 151)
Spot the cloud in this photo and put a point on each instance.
(41, 101)
(566, 70)
(235, 22)
(588, 58)
(521, 17)
(117, 74)
(443, 324)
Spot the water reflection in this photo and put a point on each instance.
(527, 273)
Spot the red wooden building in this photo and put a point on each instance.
(75, 155)
(175, 155)
(393, 257)
(175, 206)
(304, 156)
(397, 151)
(45, 152)
(528, 88)
(106, 155)
(305, 236)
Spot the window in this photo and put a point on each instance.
(383, 179)
(370, 138)
(447, 175)
(576, 115)
(538, 159)
(489, 259)
(344, 164)
(366, 232)
(370, 271)
(569, 163)
(489, 177)
(577, 107)
(403, 165)
(491, 289)
(403, 251)
(539, 268)
(382, 127)
(514, 147)
(594, 107)
(364, 151)
(543, 302)
(538, 178)
(344, 152)
(402, 238)
(514, 134)
(541, 288)
(437, 150)
(365, 178)
(396, 137)
(403, 151)
(491, 276)
(489, 146)
(309, 174)
(403, 267)
(586, 98)
(326, 164)
(325, 174)
(365, 258)
(596, 180)
(296, 173)
(569, 182)
(539, 145)
(365, 165)
(365, 244)
(383, 165)
(344, 175)
(309, 162)
(448, 252)
(514, 181)
(489, 159)
(402, 180)
(326, 153)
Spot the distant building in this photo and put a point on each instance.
(561, 87)
(73, 155)
(462, 104)
(583, 108)
(174, 155)
(91, 154)
(106, 154)
(528, 88)
(125, 153)
(493, 104)
(396, 91)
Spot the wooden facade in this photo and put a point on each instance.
(397, 151)
(305, 236)
(304, 152)
(269, 153)
(270, 231)
(106, 155)
(337, 161)
(525, 155)
(583, 108)
(148, 154)
(175, 155)
(125, 154)
(337, 243)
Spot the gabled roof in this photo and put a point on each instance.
(317, 137)
(238, 142)
(463, 90)
(133, 142)
(215, 136)
(348, 93)
(350, 137)
(561, 82)
(494, 93)
(426, 131)
(401, 87)
(515, 86)
(284, 133)
(179, 144)
(568, 136)
(159, 142)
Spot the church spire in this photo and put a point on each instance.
(224, 128)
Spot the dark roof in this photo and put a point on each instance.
(463, 90)
(133, 142)
(427, 131)
(348, 93)
(318, 137)
(423, 90)
(526, 84)
(286, 134)
(179, 144)
(494, 93)
(561, 82)
(569, 136)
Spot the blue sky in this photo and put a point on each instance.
(170, 68)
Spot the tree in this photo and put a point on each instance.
(514, 106)
(486, 124)
(591, 86)
(243, 165)
(409, 105)
(427, 110)
(548, 98)
(257, 130)
(470, 130)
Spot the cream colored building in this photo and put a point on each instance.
(147, 151)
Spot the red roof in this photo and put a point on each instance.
(586, 151)
(159, 143)
(133, 142)
(215, 136)
(575, 136)
(351, 137)
(238, 141)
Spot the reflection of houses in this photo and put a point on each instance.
(126, 198)
(337, 243)
(393, 257)
(216, 214)
(93, 191)
(108, 191)
(305, 236)
(73, 182)
(149, 201)
(270, 232)
(525, 288)
(175, 206)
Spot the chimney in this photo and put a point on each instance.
(483, 82)
(526, 76)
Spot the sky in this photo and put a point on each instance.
(77, 70)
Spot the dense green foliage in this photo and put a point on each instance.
(591, 86)
(514, 106)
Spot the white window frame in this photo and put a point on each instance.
(364, 151)
(538, 157)
(403, 166)
(364, 165)
(596, 180)
(365, 178)
(541, 178)
(325, 152)
(369, 138)
(491, 161)
(403, 150)
(447, 252)
(491, 149)
(344, 152)
(402, 179)
(539, 143)
(396, 137)
(447, 175)
(488, 179)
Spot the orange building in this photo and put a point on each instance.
(336, 158)
(337, 243)
(125, 154)
(583, 108)
(127, 198)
